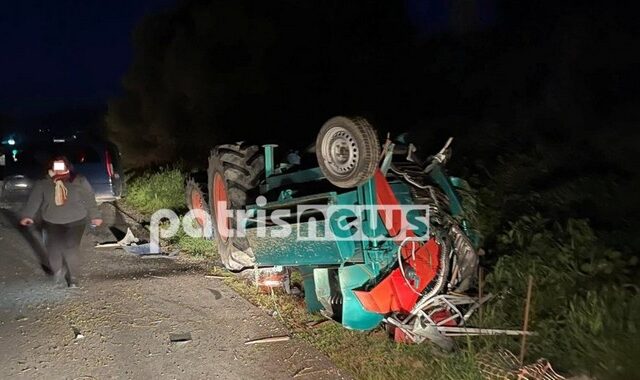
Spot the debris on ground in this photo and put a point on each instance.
(273, 339)
(180, 337)
(108, 245)
(216, 294)
(142, 249)
(77, 335)
(128, 239)
(505, 365)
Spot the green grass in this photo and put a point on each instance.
(161, 189)
(584, 308)
(365, 355)
(164, 189)
(585, 304)
(196, 247)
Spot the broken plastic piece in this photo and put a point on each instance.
(128, 239)
(108, 245)
(142, 249)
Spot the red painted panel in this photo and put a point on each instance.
(393, 293)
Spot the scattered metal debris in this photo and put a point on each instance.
(129, 239)
(131, 244)
(440, 318)
(272, 339)
(108, 245)
(180, 337)
(505, 365)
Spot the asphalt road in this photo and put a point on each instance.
(118, 323)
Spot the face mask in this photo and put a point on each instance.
(59, 166)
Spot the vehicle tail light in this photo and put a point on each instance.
(108, 163)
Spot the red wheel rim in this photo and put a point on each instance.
(220, 199)
(197, 204)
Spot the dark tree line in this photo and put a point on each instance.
(209, 72)
(214, 71)
(541, 99)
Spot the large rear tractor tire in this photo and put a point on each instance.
(235, 171)
(348, 151)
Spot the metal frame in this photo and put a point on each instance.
(359, 264)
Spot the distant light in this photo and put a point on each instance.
(11, 141)
(59, 140)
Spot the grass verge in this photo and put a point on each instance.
(196, 247)
(365, 355)
(152, 191)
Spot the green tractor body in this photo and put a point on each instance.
(306, 218)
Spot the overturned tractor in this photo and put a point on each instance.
(378, 232)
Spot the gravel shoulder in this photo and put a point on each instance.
(118, 324)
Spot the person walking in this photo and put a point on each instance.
(66, 202)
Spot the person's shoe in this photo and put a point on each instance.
(72, 283)
(46, 269)
(59, 279)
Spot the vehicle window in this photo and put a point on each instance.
(82, 155)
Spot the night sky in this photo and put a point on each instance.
(65, 53)
(70, 54)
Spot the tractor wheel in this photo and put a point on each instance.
(348, 151)
(196, 200)
(234, 172)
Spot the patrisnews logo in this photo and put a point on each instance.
(304, 222)
(341, 223)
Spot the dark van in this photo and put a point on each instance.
(98, 161)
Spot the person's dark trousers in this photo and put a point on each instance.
(63, 242)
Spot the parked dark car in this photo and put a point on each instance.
(98, 161)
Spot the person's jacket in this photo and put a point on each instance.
(80, 203)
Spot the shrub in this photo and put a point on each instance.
(582, 309)
(156, 190)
